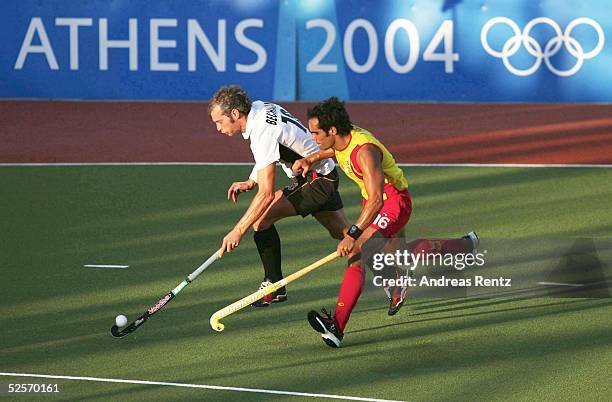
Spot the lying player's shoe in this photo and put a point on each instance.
(473, 237)
(327, 326)
(274, 297)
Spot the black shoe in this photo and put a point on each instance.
(327, 326)
(274, 297)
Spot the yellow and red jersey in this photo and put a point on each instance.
(347, 159)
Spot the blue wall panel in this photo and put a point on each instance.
(417, 50)
(247, 27)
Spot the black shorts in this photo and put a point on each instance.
(315, 193)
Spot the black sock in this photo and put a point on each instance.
(269, 247)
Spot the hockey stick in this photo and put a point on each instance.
(163, 301)
(253, 297)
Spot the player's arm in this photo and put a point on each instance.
(303, 165)
(369, 158)
(239, 187)
(260, 203)
(370, 161)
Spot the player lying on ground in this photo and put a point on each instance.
(386, 208)
(275, 136)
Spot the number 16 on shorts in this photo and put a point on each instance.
(381, 221)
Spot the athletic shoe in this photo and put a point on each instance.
(274, 297)
(397, 294)
(327, 326)
(473, 237)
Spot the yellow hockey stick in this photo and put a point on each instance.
(253, 297)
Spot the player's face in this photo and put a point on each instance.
(321, 137)
(226, 125)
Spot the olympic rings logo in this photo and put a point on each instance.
(552, 47)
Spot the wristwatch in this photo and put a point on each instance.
(354, 232)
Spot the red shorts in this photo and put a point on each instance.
(395, 213)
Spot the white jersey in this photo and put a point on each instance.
(278, 137)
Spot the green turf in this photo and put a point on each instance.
(164, 221)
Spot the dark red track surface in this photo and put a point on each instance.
(61, 132)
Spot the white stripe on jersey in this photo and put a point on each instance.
(270, 127)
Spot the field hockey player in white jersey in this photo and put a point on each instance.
(276, 137)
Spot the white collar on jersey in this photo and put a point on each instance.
(255, 108)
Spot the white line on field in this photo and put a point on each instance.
(560, 284)
(476, 165)
(183, 385)
(105, 266)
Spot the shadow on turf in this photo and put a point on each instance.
(525, 293)
(591, 231)
(116, 284)
(485, 181)
(496, 319)
(86, 320)
(415, 360)
(418, 361)
(134, 392)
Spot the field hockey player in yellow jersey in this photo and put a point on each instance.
(386, 207)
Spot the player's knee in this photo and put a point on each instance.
(262, 225)
(336, 233)
(336, 229)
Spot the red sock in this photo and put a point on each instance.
(350, 289)
(440, 246)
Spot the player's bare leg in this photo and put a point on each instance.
(334, 221)
(279, 209)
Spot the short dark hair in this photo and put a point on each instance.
(231, 97)
(332, 113)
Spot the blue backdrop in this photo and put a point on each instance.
(446, 50)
